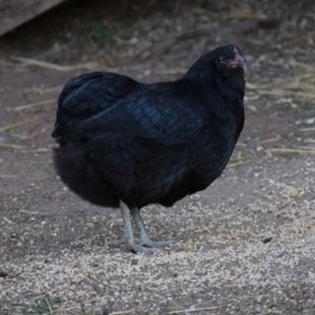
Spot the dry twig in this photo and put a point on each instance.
(195, 310)
(310, 129)
(13, 126)
(8, 176)
(122, 312)
(29, 212)
(234, 15)
(292, 150)
(53, 66)
(273, 139)
(236, 164)
(11, 146)
(38, 150)
(7, 220)
(36, 104)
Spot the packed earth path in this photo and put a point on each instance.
(248, 241)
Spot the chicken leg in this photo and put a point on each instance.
(129, 235)
(144, 236)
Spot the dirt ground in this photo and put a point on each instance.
(248, 240)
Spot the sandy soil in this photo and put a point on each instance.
(248, 240)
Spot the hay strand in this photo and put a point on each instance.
(53, 66)
(195, 310)
(292, 151)
(35, 104)
(11, 146)
(273, 139)
(13, 126)
(236, 164)
(309, 129)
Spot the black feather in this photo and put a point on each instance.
(148, 143)
(87, 95)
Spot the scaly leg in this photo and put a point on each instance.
(144, 236)
(129, 235)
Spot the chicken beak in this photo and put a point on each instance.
(241, 62)
(238, 61)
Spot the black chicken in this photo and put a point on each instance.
(127, 144)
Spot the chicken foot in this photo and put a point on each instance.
(144, 235)
(129, 235)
